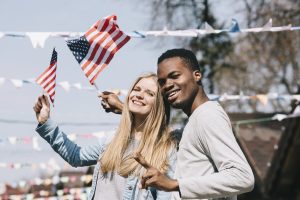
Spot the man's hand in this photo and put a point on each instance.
(111, 102)
(42, 109)
(154, 178)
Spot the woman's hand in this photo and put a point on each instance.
(42, 109)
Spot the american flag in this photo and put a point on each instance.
(97, 47)
(47, 79)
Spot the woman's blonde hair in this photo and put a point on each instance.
(154, 144)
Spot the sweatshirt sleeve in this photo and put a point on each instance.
(75, 155)
(233, 174)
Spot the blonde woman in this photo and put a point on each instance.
(143, 129)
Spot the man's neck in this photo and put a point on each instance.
(199, 99)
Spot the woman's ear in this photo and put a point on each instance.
(197, 75)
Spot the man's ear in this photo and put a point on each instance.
(197, 75)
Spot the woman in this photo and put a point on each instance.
(143, 129)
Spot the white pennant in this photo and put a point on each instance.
(35, 144)
(77, 85)
(268, 25)
(38, 39)
(17, 83)
(2, 80)
(297, 97)
(209, 28)
(12, 140)
(279, 117)
(65, 85)
(1, 34)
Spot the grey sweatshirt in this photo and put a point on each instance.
(210, 163)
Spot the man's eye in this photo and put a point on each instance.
(175, 75)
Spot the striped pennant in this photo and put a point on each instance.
(48, 78)
(97, 47)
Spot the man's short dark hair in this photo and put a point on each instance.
(187, 56)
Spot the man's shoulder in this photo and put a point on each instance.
(209, 110)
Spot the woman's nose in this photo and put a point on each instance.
(140, 95)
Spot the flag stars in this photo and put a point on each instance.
(79, 48)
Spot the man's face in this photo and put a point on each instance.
(177, 81)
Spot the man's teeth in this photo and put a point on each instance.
(172, 93)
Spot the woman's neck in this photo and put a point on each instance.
(137, 129)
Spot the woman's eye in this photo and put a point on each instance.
(150, 94)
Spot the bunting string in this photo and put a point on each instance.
(34, 141)
(17, 165)
(13, 121)
(28, 140)
(52, 181)
(38, 39)
(262, 98)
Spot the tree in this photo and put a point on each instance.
(266, 62)
(210, 49)
(252, 63)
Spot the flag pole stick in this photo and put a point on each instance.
(97, 88)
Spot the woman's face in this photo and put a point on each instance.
(142, 97)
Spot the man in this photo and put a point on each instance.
(210, 163)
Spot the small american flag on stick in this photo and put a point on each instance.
(48, 78)
(97, 47)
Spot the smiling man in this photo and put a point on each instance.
(210, 163)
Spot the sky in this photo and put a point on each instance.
(19, 60)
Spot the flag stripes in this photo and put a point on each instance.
(47, 80)
(104, 39)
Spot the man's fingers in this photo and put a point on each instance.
(104, 104)
(149, 182)
(100, 95)
(140, 159)
(104, 94)
(107, 93)
(143, 183)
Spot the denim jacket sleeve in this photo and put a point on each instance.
(75, 155)
(162, 195)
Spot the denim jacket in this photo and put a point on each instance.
(78, 156)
